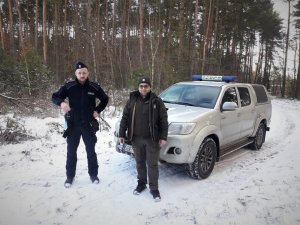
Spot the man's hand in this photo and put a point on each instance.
(65, 107)
(162, 142)
(96, 114)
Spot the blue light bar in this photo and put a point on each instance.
(214, 78)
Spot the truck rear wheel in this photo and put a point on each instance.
(259, 138)
(204, 161)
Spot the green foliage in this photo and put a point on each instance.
(33, 73)
(135, 76)
(6, 65)
(172, 75)
(27, 77)
(7, 68)
(180, 38)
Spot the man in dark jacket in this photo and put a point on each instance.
(82, 113)
(146, 121)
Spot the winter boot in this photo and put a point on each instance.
(139, 188)
(95, 179)
(156, 195)
(68, 182)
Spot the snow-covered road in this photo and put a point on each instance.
(246, 187)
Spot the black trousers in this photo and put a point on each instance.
(89, 139)
(146, 153)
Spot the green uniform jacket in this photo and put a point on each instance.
(158, 117)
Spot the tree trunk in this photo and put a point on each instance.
(1, 31)
(141, 19)
(215, 48)
(76, 30)
(259, 64)
(286, 50)
(98, 42)
(205, 41)
(127, 42)
(298, 77)
(195, 39)
(111, 50)
(11, 28)
(154, 44)
(122, 50)
(265, 79)
(36, 31)
(113, 32)
(106, 35)
(181, 30)
(56, 50)
(21, 43)
(65, 19)
(45, 45)
(90, 37)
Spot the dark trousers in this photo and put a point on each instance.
(146, 154)
(89, 139)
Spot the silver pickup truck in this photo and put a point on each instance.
(209, 119)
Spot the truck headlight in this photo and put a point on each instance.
(181, 128)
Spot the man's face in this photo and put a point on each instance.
(144, 89)
(82, 75)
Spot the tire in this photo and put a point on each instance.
(204, 161)
(259, 138)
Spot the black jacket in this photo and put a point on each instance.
(158, 117)
(82, 99)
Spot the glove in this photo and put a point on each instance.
(69, 123)
(94, 124)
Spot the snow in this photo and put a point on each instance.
(246, 187)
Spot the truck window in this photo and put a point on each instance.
(193, 95)
(244, 96)
(230, 95)
(260, 92)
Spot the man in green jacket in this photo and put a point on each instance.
(145, 119)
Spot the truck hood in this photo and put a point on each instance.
(183, 113)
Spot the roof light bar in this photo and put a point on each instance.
(214, 78)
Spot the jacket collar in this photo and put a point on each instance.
(85, 83)
(136, 94)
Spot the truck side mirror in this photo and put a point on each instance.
(229, 106)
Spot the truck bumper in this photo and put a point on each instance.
(177, 150)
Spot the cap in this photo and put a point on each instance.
(80, 65)
(145, 80)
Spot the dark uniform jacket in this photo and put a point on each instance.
(82, 99)
(158, 117)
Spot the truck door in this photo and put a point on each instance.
(247, 111)
(230, 120)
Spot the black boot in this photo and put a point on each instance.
(69, 182)
(95, 179)
(156, 195)
(139, 188)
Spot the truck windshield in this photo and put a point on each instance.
(191, 95)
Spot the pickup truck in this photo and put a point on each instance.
(209, 118)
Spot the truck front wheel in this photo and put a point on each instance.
(204, 161)
(259, 138)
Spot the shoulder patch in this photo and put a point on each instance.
(70, 84)
(95, 85)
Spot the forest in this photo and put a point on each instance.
(166, 40)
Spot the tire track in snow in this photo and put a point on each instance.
(234, 174)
